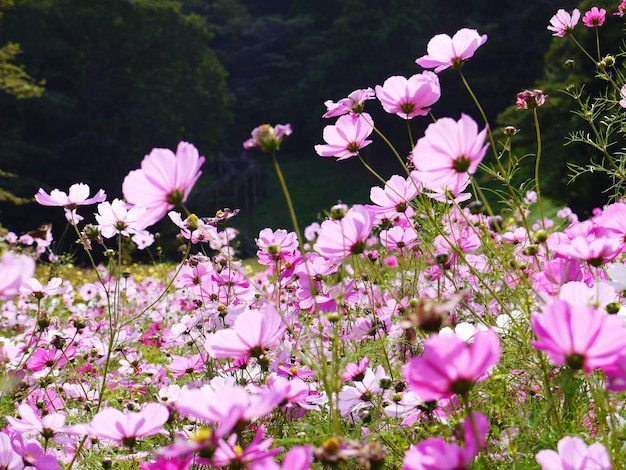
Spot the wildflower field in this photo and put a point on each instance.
(423, 329)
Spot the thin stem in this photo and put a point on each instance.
(371, 170)
(537, 161)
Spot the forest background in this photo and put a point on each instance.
(125, 76)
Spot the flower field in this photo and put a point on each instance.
(424, 329)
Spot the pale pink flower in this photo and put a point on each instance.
(574, 454)
(268, 138)
(347, 236)
(354, 103)
(14, 271)
(276, 246)
(449, 152)
(9, 459)
(398, 238)
(346, 137)
(450, 366)
(126, 428)
(563, 23)
(253, 334)
(445, 51)
(594, 18)
(50, 426)
(594, 250)
(579, 336)
(395, 199)
(78, 196)
(53, 287)
(119, 218)
(410, 97)
(164, 180)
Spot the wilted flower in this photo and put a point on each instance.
(528, 99)
(268, 138)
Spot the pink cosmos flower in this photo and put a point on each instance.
(298, 458)
(14, 271)
(53, 287)
(594, 18)
(229, 453)
(437, 454)
(595, 250)
(119, 218)
(78, 196)
(252, 335)
(574, 454)
(395, 199)
(621, 9)
(165, 463)
(449, 152)
(563, 23)
(579, 336)
(126, 428)
(622, 94)
(346, 137)
(450, 366)
(445, 51)
(410, 97)
(268, 138)
(354, 103)
(347, 236)
(164, 180)
(9, 459)
(275, 246)
(398, 238)
(50, 426)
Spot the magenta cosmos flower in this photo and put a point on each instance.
(409, 97)
(579, 336)
(594, 17)
(164, 180)
(621, 9)
(346, 137)
(127, 427)
(345, 237)
(563, 23)
(449, 152)
(445, 51)
(268, 138)
(450, 366)
(574, 454)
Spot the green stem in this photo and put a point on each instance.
(537, 161)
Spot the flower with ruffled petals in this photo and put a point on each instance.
(594, 18)
(563, 23)
(445, 51)
(346, 137)
(164, 180)
(409, 97)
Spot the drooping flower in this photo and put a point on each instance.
(528, 99)
(579, 336)
(126, 428)
(594, 18)
(574, 454)
(354, 103)
(450, 366)
(78, 195)
(410, 97)
(563, 23)
(164, 180)
(346, 137)
(449, 152)
(268, 138)
(445, 51)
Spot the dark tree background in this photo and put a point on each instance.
(124, 76)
